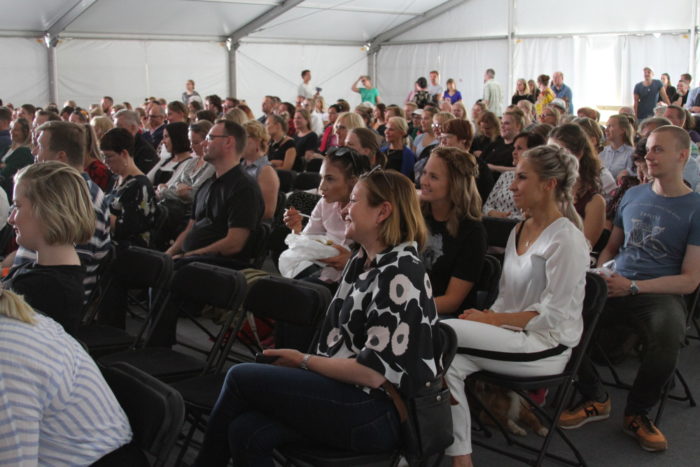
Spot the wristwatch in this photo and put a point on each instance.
(634, 289)
(305, 362)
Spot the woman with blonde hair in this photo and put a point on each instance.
(345, 122)
(488, 135)
(262, 407)
(617, 154)
(102, 125)
(94, 166)
(256, 164)
(398, 155)
(53, 212)
(522, 92)
(459, 111)
(456, 247)
(536, 319)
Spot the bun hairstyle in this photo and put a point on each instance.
(554, 162)
(13, 306)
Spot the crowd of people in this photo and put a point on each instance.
(402, 195)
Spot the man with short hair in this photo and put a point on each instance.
(107, 103)
(229, 104)
(368, 93)
(214, 104)
(493, 96)
(691, 173)
(27, 112)
(43, 116)
(65, 142)
(156, 124)
(305, 90)
(434, 87)
(145, 156)
(268, 105)
(655, 245)
(646, 95)
(499, 155)
(562, 91)
(5, 138)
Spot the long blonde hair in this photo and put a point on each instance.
(13, 306)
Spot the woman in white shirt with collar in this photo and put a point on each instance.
(536, 319)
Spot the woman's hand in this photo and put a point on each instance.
(340, 260)
(292, 219)
(501, 214)
(287, 357)
(183, 190)
(480, 316)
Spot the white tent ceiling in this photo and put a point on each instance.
(248, 48)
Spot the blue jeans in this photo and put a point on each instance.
(262, 407)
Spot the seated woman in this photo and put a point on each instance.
(132, 203)
(93, 166)
(364, 141)
(538, 309)
(56, 407)
(339, 172)
(589, 203)
(282, 153)
(500, 202)
(18, 155)
(305, 139)
(338, 401)
(427, 137)
(456, 245)
(258, 166)
(398, 156)
(53, 211)
(177, 144)
(488, 133)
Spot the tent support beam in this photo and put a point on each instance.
(232, 49)
(262, 20)
(53, 71)
(511, 48)
(693, 39)
(68, 17)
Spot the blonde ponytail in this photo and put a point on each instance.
(13, 306)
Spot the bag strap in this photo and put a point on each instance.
(397, 400)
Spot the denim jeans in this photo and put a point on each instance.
(262, 407)
(659, 319)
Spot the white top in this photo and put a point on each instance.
(305, 90)
(55, 407)
(326, 220)
(550, 278)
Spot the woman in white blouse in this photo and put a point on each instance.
(536, 320)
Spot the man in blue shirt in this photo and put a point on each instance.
(562, 91)
(646, 95)
(655, 245)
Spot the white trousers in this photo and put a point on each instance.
(508, 344)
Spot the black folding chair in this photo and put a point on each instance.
(307, 180)
(498, 230)
(286, 179)
(198, 283)
(487, 285)
(596, 294)
(283, 300)
(133, 268)
(156, 413)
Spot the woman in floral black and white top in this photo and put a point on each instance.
(378, 328)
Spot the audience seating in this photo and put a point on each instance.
(198, 283)
(307, 180)
(596, 294)
(498, 230)
(314, 165)
(487, 286)
(260, 240)
(446, 347)
(286, 179)
(156, 413)
(133, 268)
(276, 298)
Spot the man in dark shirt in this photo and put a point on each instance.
(145, 156)
(156, 123)
(499, 154)
(228, 208)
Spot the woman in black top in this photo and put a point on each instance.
(305, 140)
(53, 211)
(282, 153)
(177, 143)
(132, 205)
(456, 243)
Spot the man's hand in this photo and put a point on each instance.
(618, 286)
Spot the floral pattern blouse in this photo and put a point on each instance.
(384, 317)
(133, 204)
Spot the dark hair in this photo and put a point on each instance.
(5, 114)
(349, 161)
(109, 98)
(290, 108)
(336, 107)
(118, 140)
(50, 116)
(177, 132)
(201, 128)
(29, 108)
(67, 137)
(215, 101)
(303, 72)
(368, 140)
(462, 129)
(422, 82)
(281, 121)
(178, 106)
(205, 115)
(344, 106)
(237, 131)
(543, 79)
(533, 139)
(67, 110)
(382, 110)
(196, 105)
(575, 140)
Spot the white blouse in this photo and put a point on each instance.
(549, 278)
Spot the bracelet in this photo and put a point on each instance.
(305, 362)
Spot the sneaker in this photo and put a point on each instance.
(587, 411)
(649, 437)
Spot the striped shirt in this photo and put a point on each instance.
(55, 407)
(90, 253)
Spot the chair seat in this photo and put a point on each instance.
(201, 392)
(527, 383)
(101, 339)
(322, 457)
(160, 362)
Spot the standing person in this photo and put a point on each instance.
(420, 94)
(435, 88)
(655, 245)
(452, 94)
(647, 93)
(546, 95)
(333, 396)
(456, 247)
(398, 156)
(305, 90)
(493, 96)
(368, 93)
(190, 95)
(562, 91)
(541, 290)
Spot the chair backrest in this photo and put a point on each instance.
(288, 300)
(141, 268)
(487, 285)
(101, 283)
(498, 230)
(307, 180)
(155, 410)
(314, 165)
(259, 247)
(593, 304)
(286, 179)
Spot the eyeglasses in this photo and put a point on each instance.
(378, 169)
(355, 158)
(210, 138)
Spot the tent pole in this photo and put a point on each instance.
(693, 39)
(51, 43)
(511, 49)
(232, 48)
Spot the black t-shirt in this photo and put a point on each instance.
(230, 201)
(56, 291)
(517, 98)
(277, 151)
(462, 257)
(394, 159)
(308, 142)
(145, 157)
(498, 153)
